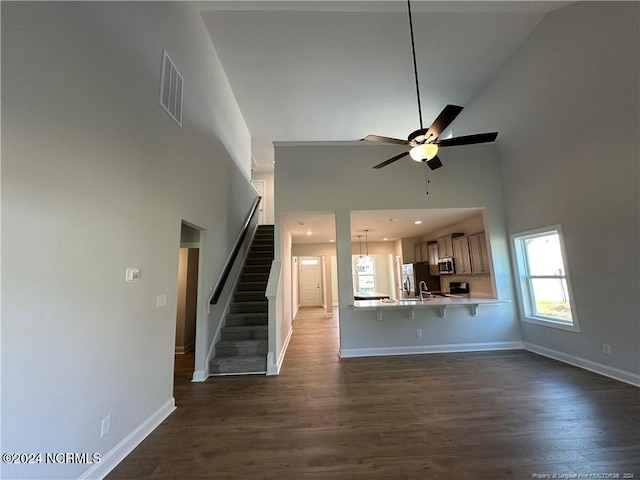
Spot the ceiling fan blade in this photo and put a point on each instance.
(391, 160)
(378, 138)
(434, 163)
(447, 115)
(467, 139)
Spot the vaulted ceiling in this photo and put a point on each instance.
(339, 70)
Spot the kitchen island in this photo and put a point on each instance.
(441, 303)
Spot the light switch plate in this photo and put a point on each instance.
(161, 300)
(132, 275)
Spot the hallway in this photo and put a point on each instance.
(497, 415)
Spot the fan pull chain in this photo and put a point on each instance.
(427, 179)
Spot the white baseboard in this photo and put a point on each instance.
(182, 349)
(422, 349)
(199, 375)
(274, 368)
(607, 371)
(125, 447)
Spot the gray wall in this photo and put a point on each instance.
(96, 178)
(567, 108)
(306, 181)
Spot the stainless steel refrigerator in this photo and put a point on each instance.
(413, 274)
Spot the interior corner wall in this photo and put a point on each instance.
(306, 180)
(96, 177)
(280, 331)
(567, 108)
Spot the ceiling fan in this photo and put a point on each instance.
(424, 142)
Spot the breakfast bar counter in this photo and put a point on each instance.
(440, 303)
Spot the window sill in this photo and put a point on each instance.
(553, 324)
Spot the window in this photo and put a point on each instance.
(542, 278)
(365, 274)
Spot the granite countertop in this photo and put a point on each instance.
(458, 299)
(441, 303)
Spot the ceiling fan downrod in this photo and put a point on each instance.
(415, 65)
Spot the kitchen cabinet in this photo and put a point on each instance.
(445, 245)
(424, 252)
(417, 254)
(461, 255)
(479, 253)
(432, 250)
(420, 252)
(408, 250)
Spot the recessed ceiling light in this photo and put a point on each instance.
(309, 232)
(385, 239)
(332, 240)
(418, 222)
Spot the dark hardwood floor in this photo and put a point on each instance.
(490, 415)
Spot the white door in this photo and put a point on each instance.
(261, 186)
(310, 282)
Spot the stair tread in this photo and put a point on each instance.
(229, 357)
(238, 364)
(232, 342)
(245, 327)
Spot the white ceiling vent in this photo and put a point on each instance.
(171, 89)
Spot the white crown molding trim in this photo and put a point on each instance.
(274, 369)
(423, 349)
(109, 461)
(611, 372)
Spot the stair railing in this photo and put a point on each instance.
(217, 291)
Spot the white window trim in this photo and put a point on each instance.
(519, 269)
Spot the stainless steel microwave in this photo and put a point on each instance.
(446, 267)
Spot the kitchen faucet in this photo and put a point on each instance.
(423, 289)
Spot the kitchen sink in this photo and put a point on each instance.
(415, 299)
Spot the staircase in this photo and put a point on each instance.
(243, 344)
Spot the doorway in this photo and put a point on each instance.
(310, 282)
(187, 300)
(261, 187)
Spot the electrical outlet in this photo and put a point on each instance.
(106, 425)
(418, 333)
(606, 349)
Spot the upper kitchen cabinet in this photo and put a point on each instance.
(421, 253)
(479, 253)
(424, 252)
(461, 255)
(445, 245)
(417, 254)
(409, 252)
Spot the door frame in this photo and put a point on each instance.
(321, 282)
(261, 188)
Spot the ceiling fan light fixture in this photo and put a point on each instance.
(424, 152)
